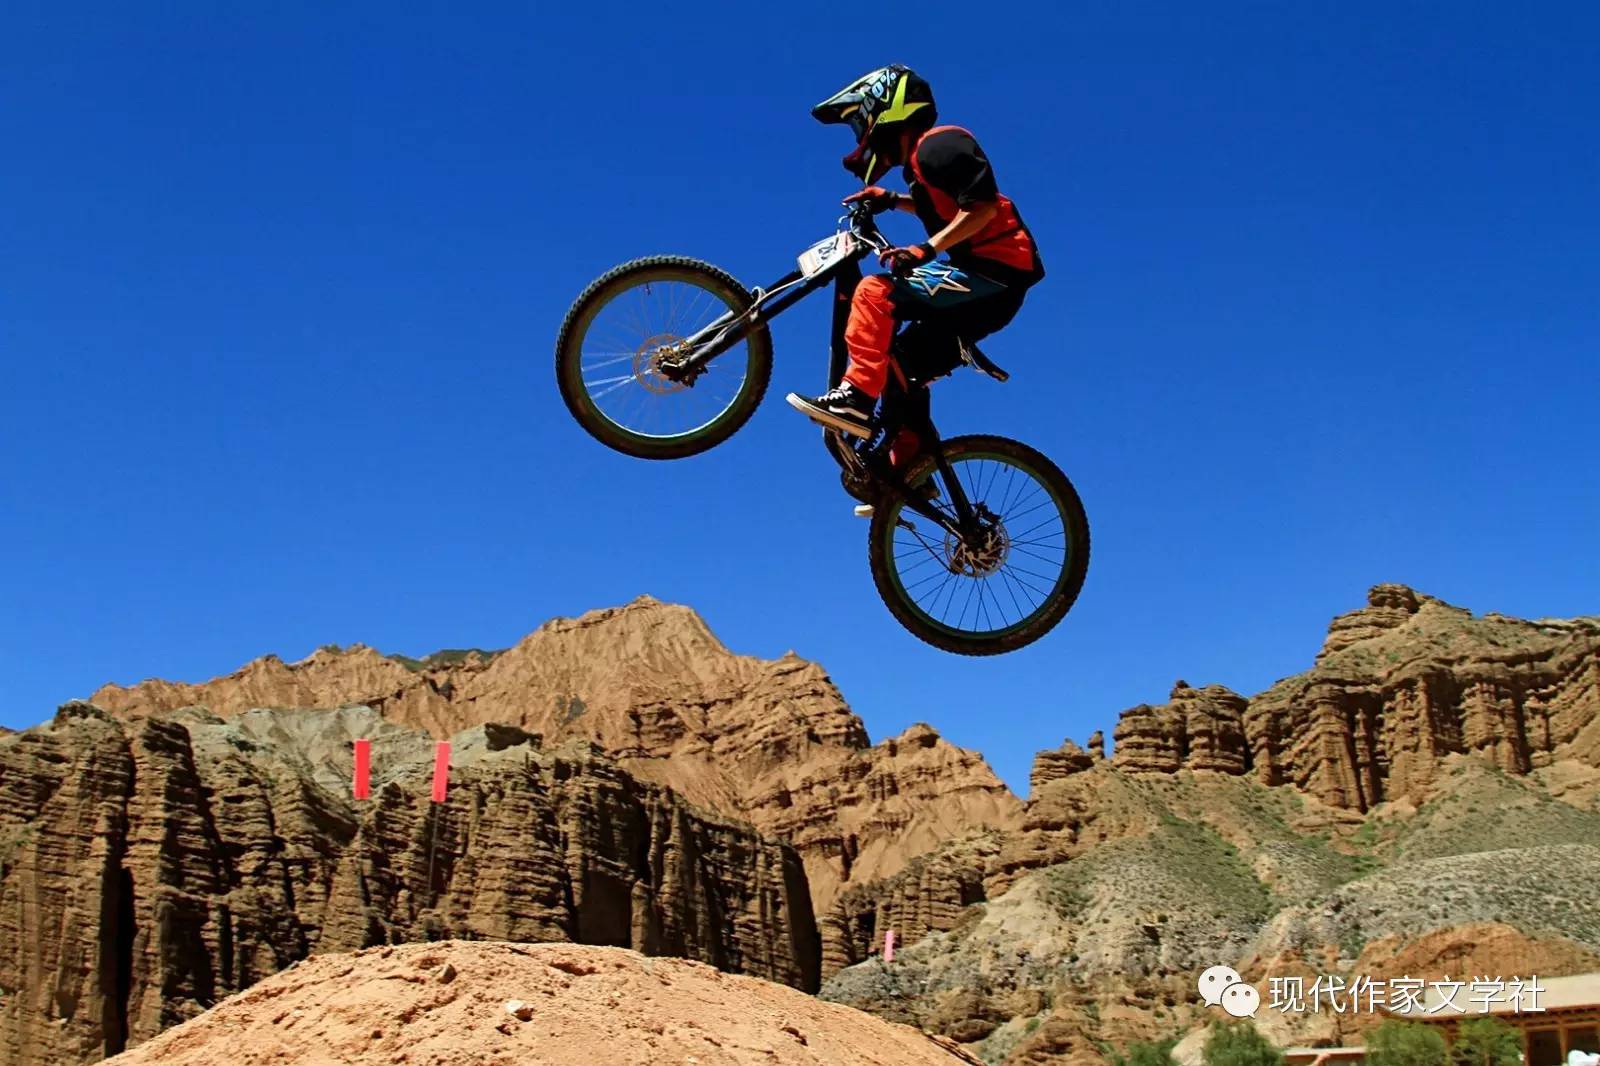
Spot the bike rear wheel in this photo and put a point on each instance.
(997, 592)
(615, 335)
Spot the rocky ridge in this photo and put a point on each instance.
(769, 742)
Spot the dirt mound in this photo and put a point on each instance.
(555, 1004)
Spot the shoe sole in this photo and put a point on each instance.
(828, 418)
(866, 510)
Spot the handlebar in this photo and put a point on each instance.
(864, 224)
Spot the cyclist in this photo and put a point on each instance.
(992, 258)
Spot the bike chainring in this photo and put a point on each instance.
(858, 485)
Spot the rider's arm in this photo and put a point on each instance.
(968, 221)
(951, 161)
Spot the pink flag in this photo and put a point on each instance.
(888, 946)
(441, 769)
(363, 769)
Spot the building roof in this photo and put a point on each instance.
(1323, 1054)
(1337, 1051)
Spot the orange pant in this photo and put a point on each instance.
(868, 333)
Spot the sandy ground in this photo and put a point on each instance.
(459, 1002)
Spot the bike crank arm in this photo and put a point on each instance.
(965, 521)
(913, 501)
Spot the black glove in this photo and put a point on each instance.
(876, 198)
(904, 260)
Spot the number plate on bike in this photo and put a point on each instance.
(826, 253)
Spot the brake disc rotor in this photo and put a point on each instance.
(647, 363)
(986, 555)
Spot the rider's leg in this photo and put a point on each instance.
(929, 348)
(870, 331)
(867, 335)
(912, 403)
(878, 306)
(977, 320)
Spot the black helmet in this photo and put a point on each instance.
(879, 106)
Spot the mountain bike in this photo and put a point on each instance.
(978, 545)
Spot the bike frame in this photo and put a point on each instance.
(867, 458)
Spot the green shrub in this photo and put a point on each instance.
(1486, 1042)
(1403, 1043)
(1142, 1053)
(1239, 1044)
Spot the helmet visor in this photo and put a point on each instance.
(860, 124)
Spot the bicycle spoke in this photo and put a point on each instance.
(998, 580)
(1032, 604)
(610, 358)
(640, 325)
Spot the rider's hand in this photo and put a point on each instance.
(903, 260)
(878, 199)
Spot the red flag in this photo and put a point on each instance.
(363, 769)
(441, 769)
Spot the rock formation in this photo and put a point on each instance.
(930, 895)
(1199, 729)
(1398, 686)
(1409, 680)
(1434, 775)
(1055, 763)
(153, 867)
(769, 742)
(154, 859)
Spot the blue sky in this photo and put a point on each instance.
(280, 290)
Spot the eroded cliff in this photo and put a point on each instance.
(152, 867)
(1398, 686)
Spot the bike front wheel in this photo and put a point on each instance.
(611, 346)
(1006, 585)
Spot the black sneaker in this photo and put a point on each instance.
(843, 407)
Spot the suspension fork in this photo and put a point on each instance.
(965, 515)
